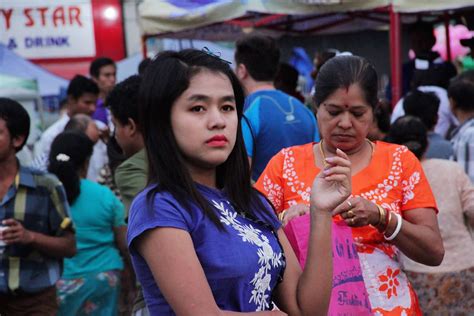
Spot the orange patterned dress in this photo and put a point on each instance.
(394, 179)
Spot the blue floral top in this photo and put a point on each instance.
(242, 263)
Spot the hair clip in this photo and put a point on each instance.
(215, 55)
(62, 157)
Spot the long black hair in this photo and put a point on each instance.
(164, 80)
(69, 152)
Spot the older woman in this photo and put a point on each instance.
(391, 208)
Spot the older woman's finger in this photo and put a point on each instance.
(341, 208)
(336, 170)
(340, 161)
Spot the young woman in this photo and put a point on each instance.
(90, 284)
(203, 242)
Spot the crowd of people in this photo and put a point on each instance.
(168, 193)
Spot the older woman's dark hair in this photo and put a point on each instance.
(69, 152)
(344, 71)
(411, 132)
(165, 79)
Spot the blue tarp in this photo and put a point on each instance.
(14, 65)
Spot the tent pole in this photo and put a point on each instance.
(448, 36)
(144, 48)
(395, 55)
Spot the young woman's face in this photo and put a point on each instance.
(204, 120)
(345, 118)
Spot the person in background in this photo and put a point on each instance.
(286, 80)
(273, 119)
(391, 208)
(90, 283)
(461, 97)
(427, 64)
(104, 73)
(82, 96)
(36, 231)
(381, 123)
(130, 175)
(467, 62)
(425, 105)
(199, 231)
(448, 288)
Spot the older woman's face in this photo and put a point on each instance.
(345, 118)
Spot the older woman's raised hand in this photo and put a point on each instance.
(332, 185)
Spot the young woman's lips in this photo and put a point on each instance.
(217, 141)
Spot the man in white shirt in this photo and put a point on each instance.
(82, 94)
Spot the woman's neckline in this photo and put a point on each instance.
(373, 145)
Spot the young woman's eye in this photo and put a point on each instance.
(197, 108)
(228, 108)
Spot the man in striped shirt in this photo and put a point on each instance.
(35, 228)
(461, 97)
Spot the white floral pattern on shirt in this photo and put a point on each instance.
(267, 258)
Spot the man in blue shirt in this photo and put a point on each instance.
(273, 119)
(35, 227)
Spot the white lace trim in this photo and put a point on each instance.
(267, 258)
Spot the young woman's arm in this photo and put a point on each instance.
(170, 255)
(309, 292)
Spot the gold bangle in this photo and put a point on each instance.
(381, 215)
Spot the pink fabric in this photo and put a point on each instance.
(349, 295)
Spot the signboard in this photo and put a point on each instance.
(48, 28)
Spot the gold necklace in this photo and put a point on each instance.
(325, 164)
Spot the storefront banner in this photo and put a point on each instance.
(48, 28)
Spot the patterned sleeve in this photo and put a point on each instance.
(416, 190)
(270, 182)
(59, 216)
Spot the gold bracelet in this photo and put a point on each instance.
(381, 215)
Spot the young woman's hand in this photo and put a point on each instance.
(332, 185)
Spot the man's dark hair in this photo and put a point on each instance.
(97, 64)
(80, 85)
(123, 99)
(16, 119)
(462, 92)
(260, 55)
(424, 105)
(286, 78)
